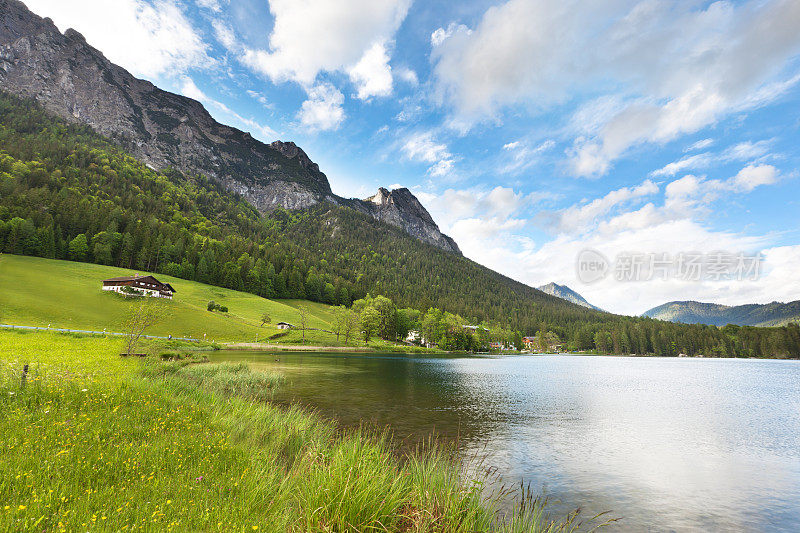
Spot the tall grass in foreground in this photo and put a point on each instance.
(177, 446)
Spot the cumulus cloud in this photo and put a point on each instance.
(422, 147)
(150, 40)
(312, 36)
(666, 68)
(477, 218)
(614, 225)
(492, 226)
(585, 217)
(323, 110)
(372, 75)
(753, 176)
(695, 193)
(640, 232)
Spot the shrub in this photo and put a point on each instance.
(213, 306)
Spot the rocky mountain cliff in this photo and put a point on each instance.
(402, 209)
(690, 312)
(73, 80)
(565, 293)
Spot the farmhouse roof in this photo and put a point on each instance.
(140, 278)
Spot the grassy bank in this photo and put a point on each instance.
(98, 442)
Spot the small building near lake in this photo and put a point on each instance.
(137, 285)
(528, 342)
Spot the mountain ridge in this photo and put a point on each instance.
(75, 81)
(693, 312)
(565, 293)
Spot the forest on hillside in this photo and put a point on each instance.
(67, 193)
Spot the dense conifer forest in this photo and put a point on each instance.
(67, 193)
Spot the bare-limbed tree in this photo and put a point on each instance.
(143, 314)
(303, 310)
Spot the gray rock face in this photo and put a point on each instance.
(75, 81)
(402, 209)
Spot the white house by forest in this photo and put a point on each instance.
(137, 285)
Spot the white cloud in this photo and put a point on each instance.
(584, 218)
(522, 156)
(640, 232)
(700, 145)
(422, 147)
(190, 89)
(225, 35)
(490, 227)
(213, 5)
(753, 176)
(667, 68)
(646, 229)
(747, 150)
(311, 36)
(478, 218)
(440, 35)
(690, 162)
(323, 109)
(693, 193)
(150, 40)
(260, 98)
(744, 151)
(372, 75)
(408, 76)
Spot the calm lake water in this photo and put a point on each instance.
(667, 444)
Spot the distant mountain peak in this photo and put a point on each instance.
(565, 293)
(692, 312)
(75, 81)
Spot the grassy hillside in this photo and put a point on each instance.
(40, 292)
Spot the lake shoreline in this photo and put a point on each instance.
(591, 432)
(368, 350)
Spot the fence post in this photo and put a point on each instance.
(24, 375)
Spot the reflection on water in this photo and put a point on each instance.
(669, 444)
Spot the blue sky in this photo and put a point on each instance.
(531, 130)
